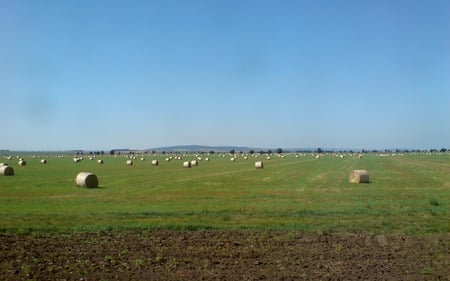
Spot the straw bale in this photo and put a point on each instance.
(359, 176)
(259, 165)
(6, 170)
(85, 179)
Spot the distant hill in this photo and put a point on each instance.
(202, 148)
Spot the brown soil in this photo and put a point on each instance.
(223, 255)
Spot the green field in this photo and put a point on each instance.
(407, 194)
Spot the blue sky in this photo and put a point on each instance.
(141, 74)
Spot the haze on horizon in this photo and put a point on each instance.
(339, 74)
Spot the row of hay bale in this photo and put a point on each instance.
(90, 180)
(356, 176)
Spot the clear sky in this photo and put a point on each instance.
(104, 74)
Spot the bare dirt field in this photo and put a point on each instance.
(223, 255)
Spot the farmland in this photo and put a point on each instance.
(407, 194)
(167, 222)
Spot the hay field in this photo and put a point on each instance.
(407, 194)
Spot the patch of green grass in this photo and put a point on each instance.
(407, 194)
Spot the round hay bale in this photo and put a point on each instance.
(130, 162)
(359, 176)
(100, 161)
(259, 165)
(186, 164)
(155, 162)
(194, 163)
(232, 159)
(85, 179)
(22, 163)
(6, 170)
(43, 161)
(3, 164)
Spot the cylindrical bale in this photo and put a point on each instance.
(22, 163)
(359, 176)
(6, 170)
(155, 162)
(130, 162)
(100, 161)
(85, 179)
(3, 164)
(43, 161)
(194, 163)
(259, 165)
(232, 159)
(186, 164)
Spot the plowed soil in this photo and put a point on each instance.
(223, 255)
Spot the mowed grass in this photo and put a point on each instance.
(407, 194)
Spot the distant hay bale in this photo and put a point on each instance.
(100, 161)
(43, 161)
(85, 179)
(155, 162)
(142, 159)
(22, 162)
(259, 165)
(194, 163)
(130, 162)
(186, 164)
(206, 159)
(6, 170)
(168, 159)
(359, 176)
(3, 164)
(232, 159)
